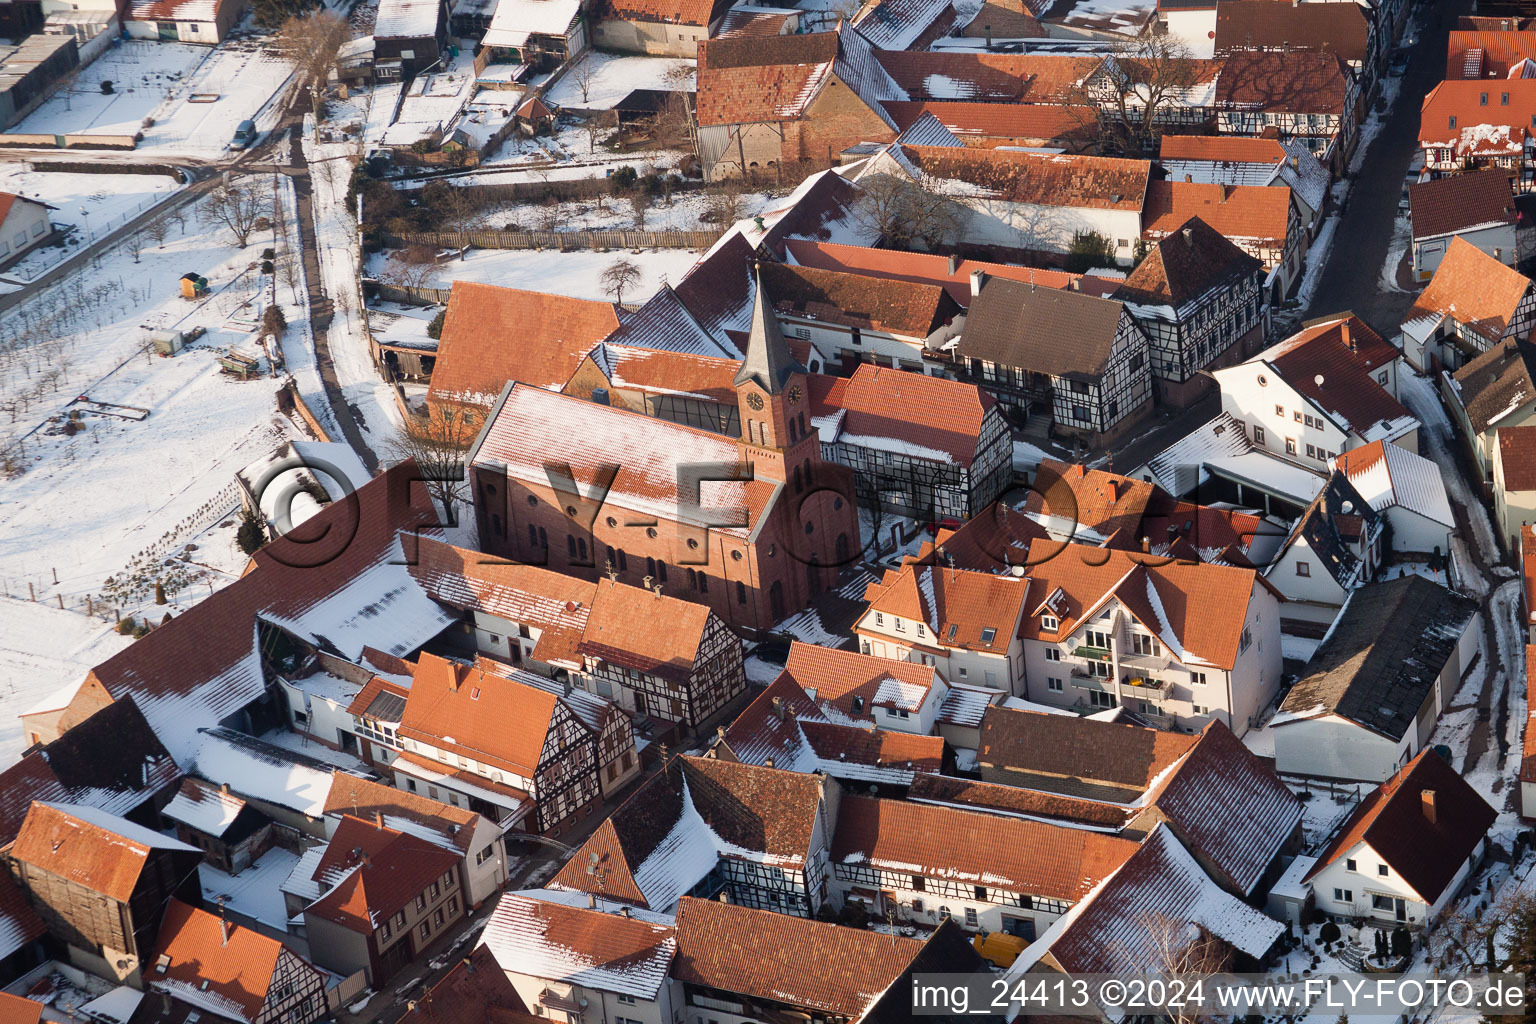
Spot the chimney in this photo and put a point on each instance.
(624, 910)
(224, 925)
(1189, 235)
(954, 264)
(778, 707)
(720, 733)
(378, 818)
(223, 787)
(978, 278)
(1427, 801)
(1349, 340)
(591, 899)
(1146, 545)
(767, 762)
(1295, 162)
(1189, 179)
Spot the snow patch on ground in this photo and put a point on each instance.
(576, 274)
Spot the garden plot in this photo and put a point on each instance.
(111, 498)
(92, 204)
(576, 274)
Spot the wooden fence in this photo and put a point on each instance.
(565, 241)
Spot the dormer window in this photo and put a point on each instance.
(953, 627)
(1049, 623)
(857, 704)
(988, 635)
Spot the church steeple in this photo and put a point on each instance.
(769, 363)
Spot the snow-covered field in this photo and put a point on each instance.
(564, 273)
(157, 80)
(156, 491)
(91, 203)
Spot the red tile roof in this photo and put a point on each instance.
(1517, 456)
(1055, 861)
(58, 840)
(393, 870)
(492, 335)
(917, 267)
(959, 75)
(748, 79)
(1069, 747)
(997, 798)
(660, 371)
(18, 1009)
(1528, 734)
(1482, 54)
(1221, 149)
(1345, 353)
(993, 124)
(1474, 289)
(932, 413)
(479, 713)
(1259, 214)
(1092, 182)
(670, 12)
(1186, 265)
(1461, 202)
(1297, 82)
(1340, 29)
(839, 676)
(476, 991)
(1458, 115)
(237, 963)
(1528, 570)
(364, 799)
(1094, 499)
(1392, 821)
(858, 300)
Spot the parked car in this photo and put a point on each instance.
(245, 134)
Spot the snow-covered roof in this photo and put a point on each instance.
(516, 20)
(899, 695)
(407, 19)
(577, 945)
(114, 1007)
(262, 771)
(1221, 446)
(964, 705)
(128, 830)
(298, 478)
(1388, 474)
(204, 808)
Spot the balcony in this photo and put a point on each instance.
(1091, 653)
(1084, 681)
(1144, 686)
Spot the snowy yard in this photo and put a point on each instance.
(563, 273)
(685, 213)
(609, 78)
(158, 80)
(93, 204)
(253, 892)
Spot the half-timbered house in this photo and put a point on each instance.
(1079, 360)
(1473, 124)
(1312, 97)
(469, 729)
(208, 961)
(705, 827)
(1259, 219)
(1200, 301)
(1472, 304)
(667, 659)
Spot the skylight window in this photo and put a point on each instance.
(988, 635)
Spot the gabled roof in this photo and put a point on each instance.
(19, 924)
(1256, 213)
(493, 334)
(480, 712)
(1472, 118)
(958, 606)
(1088, 503)
(1296, 82)
(1462, 202)
(100, 852)
(1341, 29)
(529, 426)
(1517, 457)
(1497, 382)
(926, 417)
(990, 123)
(476, 991)
(1054, 861)
(1332, 527)
(211, 963)
(205, 807)
(19, 1009)
(1387, 475)
(1186, 264)
(1044, 179)
(257, 769)
(1151, 901)
(1047, 330)
(1472, 288)
(1235, 149)
(918, 267)
(1391, 820)
(898, 24)
(391, 869)
(592, 948)
(750, 79)
(1472, 53)
(780, 958)
(841, 679)
(970, 75)
(665, 324)
(858, 300)
(671, 12)
(673, 830)
(1070, 747)
(1527, 773)
(1383, 656)
(442, 824)
(660, 372)
(995, 798)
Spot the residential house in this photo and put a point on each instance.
(409, 37)
(980, 75)
(785, 728)
(1491, 52)
(922, 863)
(1528, 574)
(765, 101)
(1408, 492)
(1311, 97)
(964, 624)
(669, 660)
(1080, 360)
(868, 689)
(475, 991)
(1379, 681)
(186, 21)
(1477, 208)
(757, 966)
(1069, 127)
(488, 734)
(1112, 932)
(568, 960)
(1472, 125)
(285, 785)
(1260, 220)
(1069, 755)
(1219, 462)
(537, 34)
(31, 68)
(756, 837)
(1472, 304)
(665, 27)
(1035, 202)
(100, 883)
(746, 555)
(906, 24)
(1491, 392)
(472, 836)
(953, 274)
(1329, 387)
(207, 961)
(1252, 161)
(1346, 30)
(231, 833)
(1199, 299)
(859, 319)
(1333, 548)
(1514, 484)
(918, 446)
(23, 224)
(385, 897)
(1407, 848)
(1178, 643)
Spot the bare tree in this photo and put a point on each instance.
(592, 126)
(1135, 89)
(584, 74)
(907, 214)
(621, 274)
(135, 245)
(158, 230)
(639, 202)
(1178, 947)
(438, 443)
(239, 205)
(673, 124)
(722, 205)
(311, 43)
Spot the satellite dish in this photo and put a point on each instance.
(1318, 380)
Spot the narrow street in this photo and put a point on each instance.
(1349, 278)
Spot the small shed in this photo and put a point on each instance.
(167, 343)
(231, 833)
(1291, 894)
